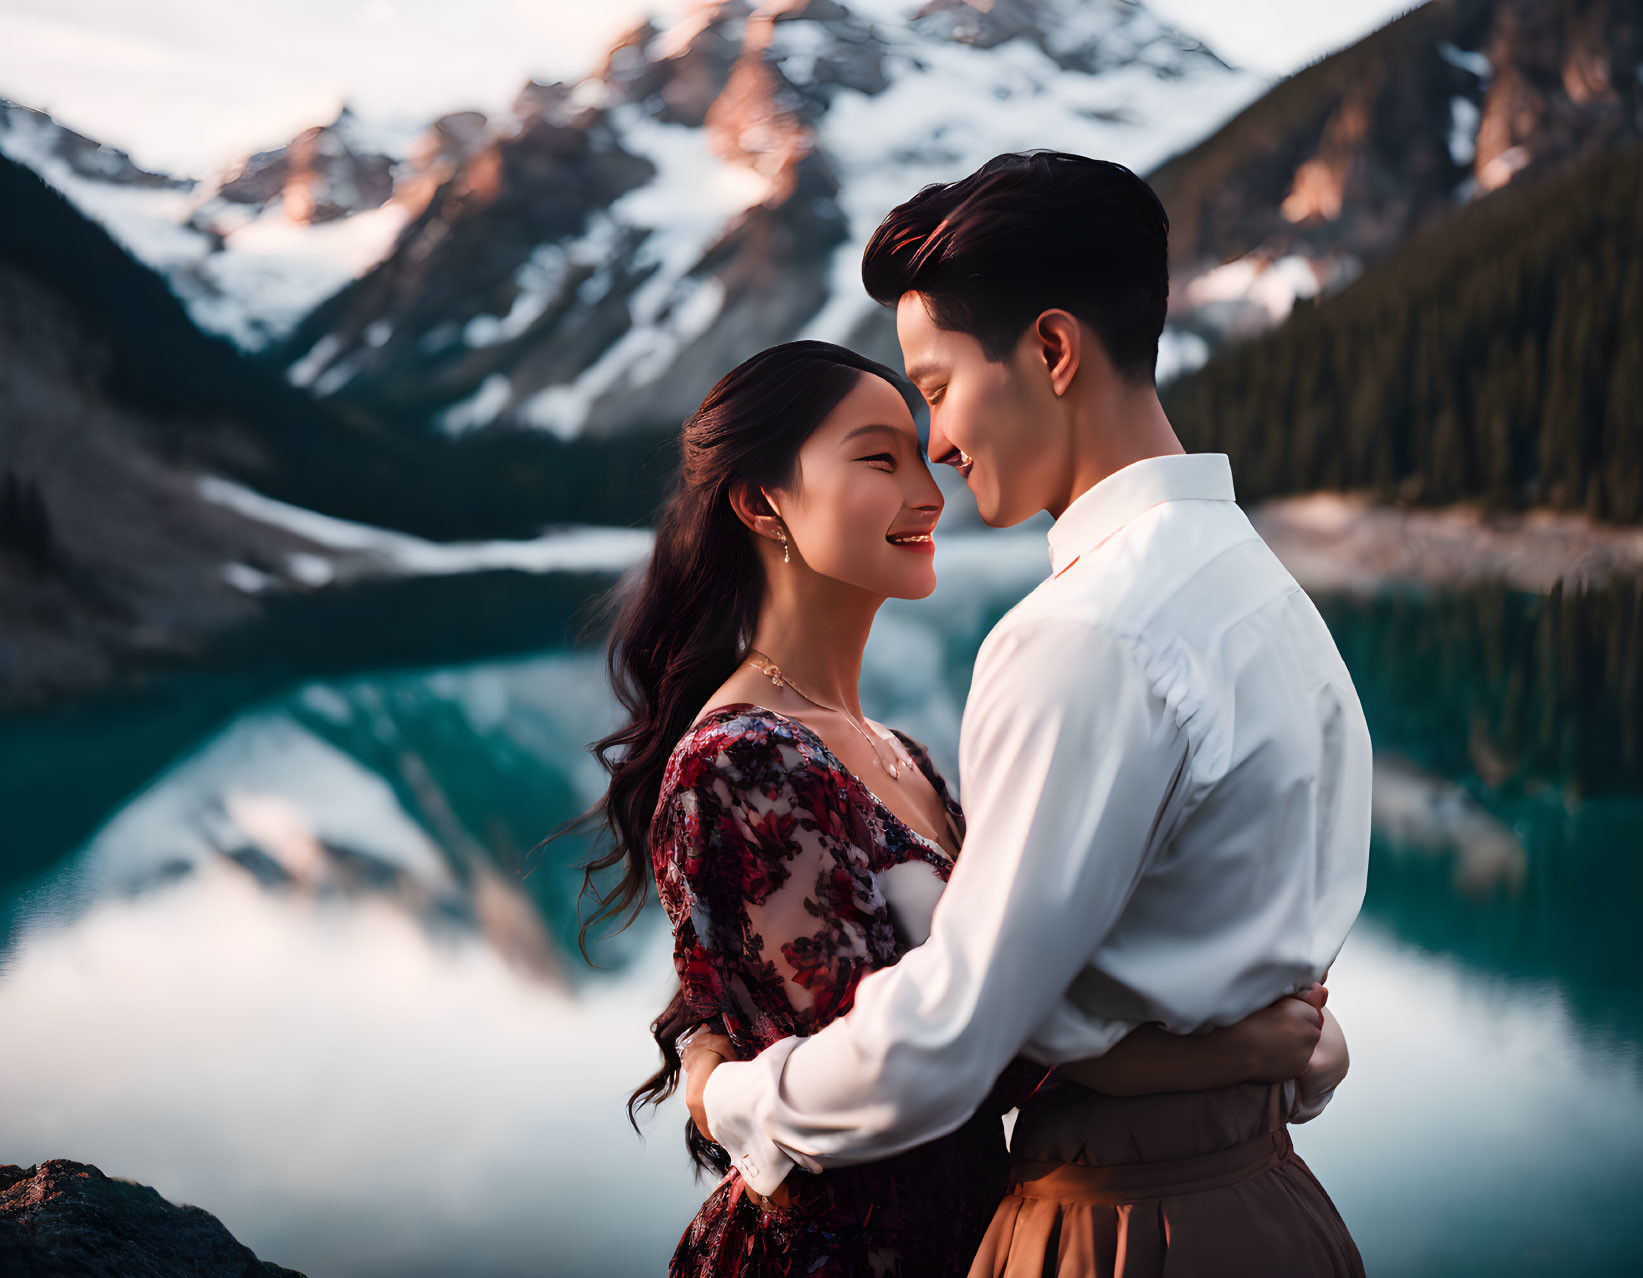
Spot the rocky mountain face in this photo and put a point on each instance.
(113, 404)
(624, 240)
(106, 557)
(1341, 164)
(324, 173)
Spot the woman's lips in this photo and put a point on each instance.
(923, 542)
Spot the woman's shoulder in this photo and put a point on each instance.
(738, 740)
(772, 769)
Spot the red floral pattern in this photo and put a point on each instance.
(767, 851)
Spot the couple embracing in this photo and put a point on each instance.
(1165, 824)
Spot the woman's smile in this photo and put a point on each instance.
(920, 538)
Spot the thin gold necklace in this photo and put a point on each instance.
(774, 673)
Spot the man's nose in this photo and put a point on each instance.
(940, 446)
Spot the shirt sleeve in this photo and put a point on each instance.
(1302, 1105)
(1069, 757)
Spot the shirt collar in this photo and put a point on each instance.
(1098, 512)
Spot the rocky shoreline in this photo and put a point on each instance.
(63, 1219)
(65, 645)
(1336, 542)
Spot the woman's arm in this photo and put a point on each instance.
(1269, 1046)
(775, 914)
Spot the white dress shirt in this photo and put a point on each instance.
(1166, 781)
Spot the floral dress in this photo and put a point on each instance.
(771, 861)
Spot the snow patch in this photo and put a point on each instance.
(1463, 129)
(567, 549)
(686, 206)
(275, 271)
(541, 278)
(245, 577)
(1180, 351)
(949, 107)
(1272, 287)
(480, 407)
(304, 370)
(1475, 63)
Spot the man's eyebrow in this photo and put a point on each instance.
(922, 370)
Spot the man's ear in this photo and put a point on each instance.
(1060, 345)
(754, 509)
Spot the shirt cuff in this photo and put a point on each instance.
(1303, 1106)
(734, 1099)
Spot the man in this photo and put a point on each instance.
(1165, 767)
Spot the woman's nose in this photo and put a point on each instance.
(929, 496)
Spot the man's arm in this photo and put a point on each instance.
(1276, 1044)
(1068, 757)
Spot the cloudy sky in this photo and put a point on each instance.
(187, 84)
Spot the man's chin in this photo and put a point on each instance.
(996, 518)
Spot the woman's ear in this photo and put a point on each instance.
(754, 509)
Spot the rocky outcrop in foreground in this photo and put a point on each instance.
(61, 1218)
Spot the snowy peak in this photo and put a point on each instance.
(324, 173)
(253, 249)
(1076, 35)
(34, 138)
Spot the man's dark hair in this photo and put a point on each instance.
(1024, 233)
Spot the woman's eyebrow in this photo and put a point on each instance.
(862, 430)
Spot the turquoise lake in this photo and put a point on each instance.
(267, 945)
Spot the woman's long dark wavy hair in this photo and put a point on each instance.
(687, 625)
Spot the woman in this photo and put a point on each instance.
(795, 844)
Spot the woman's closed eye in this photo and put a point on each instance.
(877, 457)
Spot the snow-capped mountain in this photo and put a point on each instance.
(599, 255)
(708, 189)
(253, 249)
(592, 259)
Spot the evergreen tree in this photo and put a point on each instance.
(1494, 358)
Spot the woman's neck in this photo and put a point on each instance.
(817, 636)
